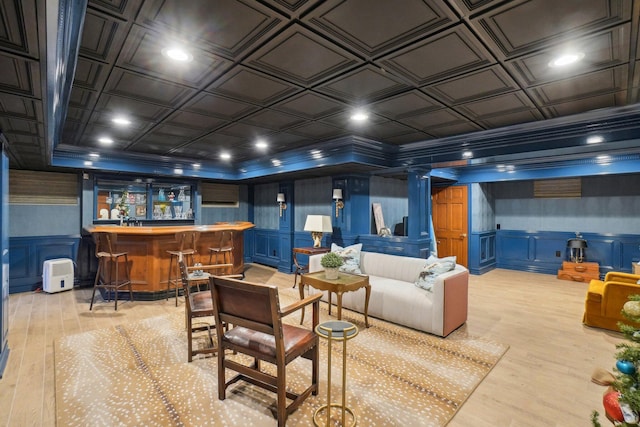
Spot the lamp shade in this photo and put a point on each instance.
(576, 243)
(337, 193)
(319, 223)
(280, 198)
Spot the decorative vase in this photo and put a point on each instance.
(331, 273)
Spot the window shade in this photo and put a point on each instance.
(43, 188)
(227, 195)
(548, 188)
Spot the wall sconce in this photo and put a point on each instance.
(280, 200)
(337, 196)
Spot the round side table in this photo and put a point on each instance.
(336, 330)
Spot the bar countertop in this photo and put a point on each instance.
(170, 229)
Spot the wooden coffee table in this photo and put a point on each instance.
(345, 282)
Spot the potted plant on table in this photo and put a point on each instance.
(331, 261)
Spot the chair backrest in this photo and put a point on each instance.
(105, 242)
(251, 305)
(187, 239)
(184, 275)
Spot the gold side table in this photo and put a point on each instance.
(337, 330)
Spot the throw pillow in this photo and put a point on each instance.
(350, 256)
(433, 258)
(430, 272)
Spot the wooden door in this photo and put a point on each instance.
(449, 207)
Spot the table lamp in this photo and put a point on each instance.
(318, 224)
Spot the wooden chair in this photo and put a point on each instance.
(198, 304)
(258, 332)
(108, 275)
(224, 248)
(187, 241)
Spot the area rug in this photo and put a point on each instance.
(136, 374)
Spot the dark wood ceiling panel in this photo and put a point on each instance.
(302, 57)
(122, 136)
(585, 86)
(19, 76)
(12, 126)
(366, 84)
(219, 106)
(90, 74)
(102, 36)
(292, 8)
(442, 56)
(317, 130)
(487, 82)
(309, 105)
(510, 119)
(385, 130)
(454, 129)
(20, 107)
(142, 52)
(431, 119)
(469, 7)
(82, 98)
(252, 86)
(120, 8)
(225, 27)
(586, 104)
(511, 29)
(282, 141)
(144, 88)
(197, 121)
(244, 130)
(272, 119)
(404, 104)
(606, 49)
(374, 27)
(408, 138)
(19, 28)
(156, 143)
(129, 107)
(507, 103)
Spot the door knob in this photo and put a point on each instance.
(462, 236)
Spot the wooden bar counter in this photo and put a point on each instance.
(148, 246)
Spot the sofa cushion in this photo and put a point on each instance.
(433, 258)
(430, 272)
(351, 257)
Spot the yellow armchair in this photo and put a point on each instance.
(603, 305)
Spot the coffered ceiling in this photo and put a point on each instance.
(433, 75)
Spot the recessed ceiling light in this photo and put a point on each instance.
(225, 156)
(261, 144)
(178, 171)
(359, 116)
(566, 59)
(595, 139)
(88, 163)
(94, 155)
(467, 154)
(177, 54)
(276, 162)
(196, 165)
(121, 121)
(105, 140)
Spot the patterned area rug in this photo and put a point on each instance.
(137, 374)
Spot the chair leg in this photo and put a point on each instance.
(169, 276)
(115, 288)
(189, 338)
(222, 385)
(128, 276)
(95, 283)
(282, 396)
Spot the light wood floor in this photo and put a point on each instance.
(543, 379)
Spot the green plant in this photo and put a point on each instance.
(331, 260)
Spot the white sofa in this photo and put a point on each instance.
(396, 298)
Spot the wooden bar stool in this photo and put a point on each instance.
(186, 249)
(224, 250)
(109, 263)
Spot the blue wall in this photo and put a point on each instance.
(392, 196)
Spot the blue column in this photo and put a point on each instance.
(4, 250)
(419, 195)
(286, 227)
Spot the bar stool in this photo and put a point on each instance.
(337, 330)
(186, 249)
(109, 262)
(224, 249)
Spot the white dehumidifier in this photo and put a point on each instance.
(57, 275)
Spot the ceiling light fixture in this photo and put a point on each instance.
(94, 155)
(261, 144)
(467, 154)
(178, 171)
(225, 156)
(196, 165)
(88, 163)
(177, 54)
(105, 140)
(359, 116)
(595, 139)
(121, 121)
(566, 59)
